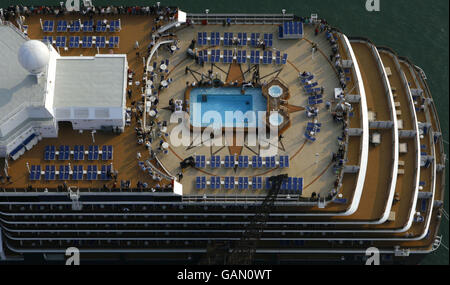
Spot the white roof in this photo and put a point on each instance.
(90, 81)
(18, 88)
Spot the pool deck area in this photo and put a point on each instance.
(308, 160)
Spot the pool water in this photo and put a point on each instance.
(215, 107)
(275, 91)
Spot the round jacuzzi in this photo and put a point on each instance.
(275, 119)
(275, 91)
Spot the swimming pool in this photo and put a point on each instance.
(217, 106)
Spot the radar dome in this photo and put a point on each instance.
(34, 56)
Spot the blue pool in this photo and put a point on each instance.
(215, 106)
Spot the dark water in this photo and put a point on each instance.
(415, 29)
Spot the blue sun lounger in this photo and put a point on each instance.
(92, 172)
(93, 152)
(200, 161)
(200, 182)
(77, 172)
(76, 27)
(74, 42)
(313, 139)
(278, 57)
(35, 173)
(64, 152)
(270, 162)
(88, 26)
(284, 161)
(61, 26)
(257, 183)
(268, 40)
(242, 183)
(106, 169)
(284, 59)
(229, 182)
(64, 172)
(50, 172)
(60, 41)
(86, 42)
(312, 85)
(101, 27)
(243, 161)
(229, 161)
(256, 161)
(48, 26)
(78, 152)
(50, 152)
(215, 182)
(307, 79)
(215, 161)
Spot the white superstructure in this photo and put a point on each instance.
(39, 88)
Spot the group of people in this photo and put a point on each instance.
(335, 57)
(12, 11)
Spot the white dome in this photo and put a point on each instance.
(34, 56)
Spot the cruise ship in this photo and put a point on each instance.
(148, 134)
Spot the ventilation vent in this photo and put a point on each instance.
(102, 113)
(81, 113)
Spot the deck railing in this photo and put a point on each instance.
(252, 19)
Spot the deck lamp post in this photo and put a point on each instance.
(284, 12)
(28, 167)
(93, 137)
(207, 11)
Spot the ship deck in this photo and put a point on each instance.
(312, 161)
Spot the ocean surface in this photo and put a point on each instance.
(415, 29)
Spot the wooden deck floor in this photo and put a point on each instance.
(134, 28)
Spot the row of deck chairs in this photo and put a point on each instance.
(229, 39)
(84, 42)
(290, 185)
(242, 161)
(67, 172)
(63, 26)
(241, 56)
(310, 87)
(312, 127)
(315, 100)
(64, 152)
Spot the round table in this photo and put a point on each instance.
(164, 83)
(173, 48)
(163, 66)
(165, 145)
(152, 113)
(150, 68)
